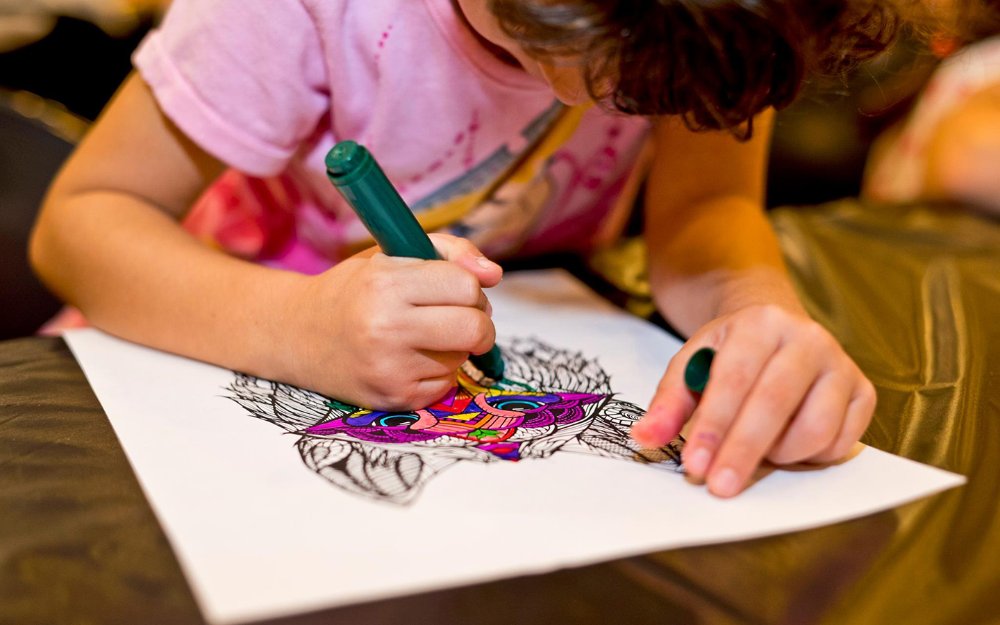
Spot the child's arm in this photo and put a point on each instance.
(963, 154)
(781, 386)
(373, 330)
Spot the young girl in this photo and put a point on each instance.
(496, 120)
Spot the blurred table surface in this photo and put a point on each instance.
(914, 295)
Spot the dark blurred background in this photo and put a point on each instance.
(58, 71)
(56, 74)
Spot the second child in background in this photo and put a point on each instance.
(947, 149)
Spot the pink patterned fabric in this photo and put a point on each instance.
(897, 173)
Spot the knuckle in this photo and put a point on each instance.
(814, 435)
(709, 425)
(477, 330)
(867, 394)
(467, 288)
(464, 246)
(822, 432)
(375, 328)
(382, 282)
(816, 334)
(381, 371)
(486, 331)
(401, 397)
(768, 314)
(449, 243)
(769, 399)
(735, 378)
(432, 391)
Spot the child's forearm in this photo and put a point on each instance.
(711, 248)
(107, 240)
(133, 272)
(722, 257)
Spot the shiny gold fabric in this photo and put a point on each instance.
(914, 294)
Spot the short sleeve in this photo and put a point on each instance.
(244, 79)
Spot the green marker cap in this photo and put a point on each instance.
(696, 371)
(348, 158)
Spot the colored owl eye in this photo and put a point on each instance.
(518, 404)
(395, 420)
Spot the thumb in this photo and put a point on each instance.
(466, 255)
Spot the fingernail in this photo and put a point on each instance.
(485, 263)
(696, 462)
(724, 483)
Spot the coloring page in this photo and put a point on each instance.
(278, 500)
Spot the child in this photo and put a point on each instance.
(948, 147)
(458, 100)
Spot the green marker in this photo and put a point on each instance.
(696, 371)
(353, 171)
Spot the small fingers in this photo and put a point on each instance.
(817, 423)
(769, 406)
(414, 395)
(735, 369)
(449, 329)
(667, 414)
(780, 388)
(410, 380)
(448, 285)
(860, 409)
(671, 406)
(440, 364)
(463, 253)
(427, 283)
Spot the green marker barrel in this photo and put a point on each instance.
(353, 171)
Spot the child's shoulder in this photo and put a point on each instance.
(346, 20)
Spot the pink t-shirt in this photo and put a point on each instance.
(476, 147)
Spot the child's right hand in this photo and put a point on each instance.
(391, 333)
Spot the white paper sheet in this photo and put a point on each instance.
(259, 534)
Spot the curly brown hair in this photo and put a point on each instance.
(714, 63)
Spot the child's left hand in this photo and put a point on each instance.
(781, 389)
